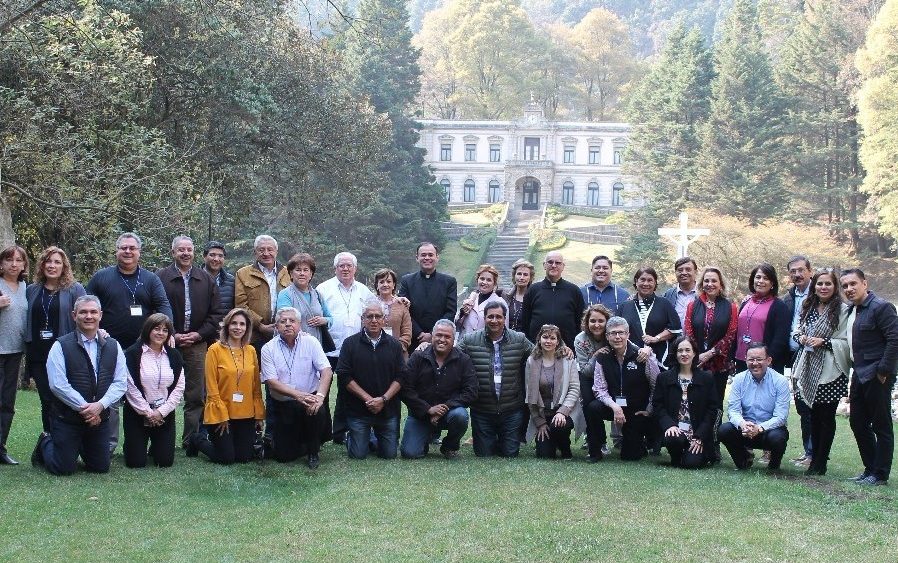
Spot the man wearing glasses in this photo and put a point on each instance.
(554, 301)
(368, 375)
(128, 295)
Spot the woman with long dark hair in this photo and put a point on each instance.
(822, 363)
(13, 313)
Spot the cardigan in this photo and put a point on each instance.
(66, 296)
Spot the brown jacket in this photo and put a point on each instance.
(205, 305)
(251, 292)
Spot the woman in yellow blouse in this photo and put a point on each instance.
(234, 408)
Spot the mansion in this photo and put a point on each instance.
(530, 161)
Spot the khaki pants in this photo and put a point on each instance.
(194, 387)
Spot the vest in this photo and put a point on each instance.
(635, 382)
(81, 376)
(132, 359)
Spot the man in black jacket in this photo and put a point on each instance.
(214, 255)
(873, 337)
(197, 313)
(432, 295)
(553, 301)
(368, 379)
(438, 385)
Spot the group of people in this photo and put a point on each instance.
(540, 361)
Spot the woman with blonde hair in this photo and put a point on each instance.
(234, 408)
(552, 385)
(522, 273)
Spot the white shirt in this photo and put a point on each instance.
(346, 307)
(298, 367)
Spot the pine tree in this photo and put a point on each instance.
(742, 160)
(384, 65)
(878, 104)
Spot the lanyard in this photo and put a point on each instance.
(281, 346)
(136, 287)
(751, 314)
(46, 307)
(242, 363)
(346, 302)
(643, 316)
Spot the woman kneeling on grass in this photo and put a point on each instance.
(685, 406)
(553, 394)
(155, 387)
(234, 408)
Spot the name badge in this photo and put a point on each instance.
(136, 311)
(684, 426)
(621, 401)
(388, 330)
(746, 338)
(237, 398)
(46, 335)
(157, 403)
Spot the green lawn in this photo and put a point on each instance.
(470, 509)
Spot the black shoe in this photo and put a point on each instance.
(190, 447)
(860, 477)
(37, 456)
(815, 471)
(339, 438)
(873, 481)
(594, 458)
(313, 462)
(6, 459)
(566, 454)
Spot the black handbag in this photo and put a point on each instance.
(327, 341)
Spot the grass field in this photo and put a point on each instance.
(470, 509)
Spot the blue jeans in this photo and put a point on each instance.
(496, 434)
(386, 430)
(418, 433)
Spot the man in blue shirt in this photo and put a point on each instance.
(758, 410)
(601, 289)
(87, 374)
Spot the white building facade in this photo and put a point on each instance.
(530, 161)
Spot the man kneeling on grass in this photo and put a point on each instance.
(368, 374)
(87, 373)
(438, 385)
(758, 409)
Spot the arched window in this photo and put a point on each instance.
(567, 193)
(593, 193)
(445, 183)
(494, 191)
(617, 190)
(469, 191)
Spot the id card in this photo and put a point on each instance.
(237, 398)
(46, 335)
(157, 403)
(136, 311)
(746, 338)
(684, 426)
(621, 401)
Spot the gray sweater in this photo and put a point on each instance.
(12, 320)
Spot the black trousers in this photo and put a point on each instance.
(738, 445)
(823, 432)
(235, 445)
(804, 415)
(339, 426)
(680, 456)
(9, 385)
(161, 439)
(596, 437)
(69, 440)
(871, 423)
(38, 371)
(296, 432)
(559, 439)
(634, 432)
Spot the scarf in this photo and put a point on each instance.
(809, 363)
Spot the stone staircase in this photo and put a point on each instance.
(504, 252)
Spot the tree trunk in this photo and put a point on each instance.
(7, 234)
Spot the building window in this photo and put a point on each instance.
(595, 154)
(469, 191)
(593, 193)
(616, 192)
(470, 152)
(567, 193)
(445, 183)
(446, 152)
(531, 148)
(618, 155)
(494, 191)
(568, 154)
(495, 153)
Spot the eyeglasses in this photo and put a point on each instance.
(129, 248)
(554, 262)
(617, 333)
(373, 317)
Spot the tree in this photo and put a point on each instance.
(667, 110)
(382, 63)
(877, 62)
(439, 86)
(605, 63)
(743, 156)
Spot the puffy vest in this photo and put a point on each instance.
(80, 373)
(514, 349)
(629, 376)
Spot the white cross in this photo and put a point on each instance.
(680, 236)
